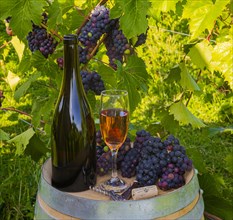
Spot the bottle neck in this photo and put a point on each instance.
(71, 62)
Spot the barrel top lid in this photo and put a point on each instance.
(70, 39)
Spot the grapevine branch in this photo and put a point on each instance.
(5, 44)
(19, 111)
(52, 32)
(191, 94)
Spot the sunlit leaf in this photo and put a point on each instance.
(12, 80)
(184, 116)
(158, 6)
(201, 54)
(24, 87)
(22, 140)
(187, 80)
(202, 14)
(19, 46)
(222, 60)
(4, 136)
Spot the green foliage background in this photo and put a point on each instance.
(180, 81)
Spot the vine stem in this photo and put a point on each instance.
(5, 44)
(191, 94)
(19, 111)
(52, 32)
(102, 2)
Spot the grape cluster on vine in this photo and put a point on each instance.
(92, 81)
(40, 39)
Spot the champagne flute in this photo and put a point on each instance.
(114, 123)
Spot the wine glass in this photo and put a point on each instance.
(114, 122)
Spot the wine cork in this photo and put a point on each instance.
(144, 192)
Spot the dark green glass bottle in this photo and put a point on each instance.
(73, 130)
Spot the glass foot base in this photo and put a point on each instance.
(115, 184)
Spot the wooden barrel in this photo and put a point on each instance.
(185, 202)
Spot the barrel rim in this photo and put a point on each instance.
(56, 199)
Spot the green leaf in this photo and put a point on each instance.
(21, 141)
(24, 87)
(107, 74)
(23, 13)
(158, 6)
(174, 75)
(202, 15)
(133, 20)
(201, 54)
(42, 109)
(133, 78)
(222, 60)
(74, 20)
(54, 15)
(4, 136)
(197, 159)
(169, 123)
(36, 148)
(184, 116)
(187, 81)
(46, 66)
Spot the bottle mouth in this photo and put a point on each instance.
(70, 39)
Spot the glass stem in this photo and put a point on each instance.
(114, 162)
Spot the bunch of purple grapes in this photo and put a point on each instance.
(103, 154)
(154, 161)
(92, 81)
(116, 44)
(98, 24)
(39, 39)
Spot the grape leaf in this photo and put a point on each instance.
(165, 6)
(19, 46)
(133, 78)
(4, 136)
(197, 159)
(169, 123)
(201, 54)
(54, 15)
(184, 116)
(222, 60)
(107, 74)
(24, 87)
(23, 13)
(202, 15)
(12, 80)
(42, 108)
(45, 66)
(22, 140)
(174, 75)
(133, 17)
(36, 148)
(186, 81)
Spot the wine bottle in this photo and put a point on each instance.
(73, 130)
